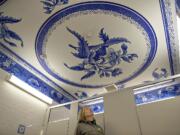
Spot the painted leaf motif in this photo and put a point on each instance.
(77, 68)
(89, 74)
(10, 43)
(48, 3)
(126, 59)
(132, 56)
(48, 10)
(103, 35)
(116, 72)
(78, 36)
(6, 19)
(65, 1)
(14, 36)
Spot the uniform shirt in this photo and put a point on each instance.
(89, 128)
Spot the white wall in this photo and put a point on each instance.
(160, 118)
(18, 107)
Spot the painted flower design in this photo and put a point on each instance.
(101, 58)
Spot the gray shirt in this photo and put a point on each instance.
(89, 128)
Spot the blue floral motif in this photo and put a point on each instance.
(100, 59)
(8, 36)
(81, 95)
(146, 97)
(159, 74)
(49, 5)
(97, 108)
(158, 94)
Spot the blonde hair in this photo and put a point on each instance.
(82, 116)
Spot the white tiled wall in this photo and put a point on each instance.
(18, 107)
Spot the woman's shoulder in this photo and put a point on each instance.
(80, 124)
(84, 125)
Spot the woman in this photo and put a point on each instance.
(87, 124)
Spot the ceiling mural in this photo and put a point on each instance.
(78, 47)
(108, 57)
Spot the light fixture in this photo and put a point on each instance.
(30, 90)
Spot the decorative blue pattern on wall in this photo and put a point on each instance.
(6, 34)
(14, 68)
(159, 73)
(81, 95)
(100, 59)
(97, 108)
(49, 5)
(146, 97)
(158, 94)
(97, 6)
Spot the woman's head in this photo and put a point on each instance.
(86, 114)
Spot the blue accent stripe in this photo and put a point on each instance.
(165, 22)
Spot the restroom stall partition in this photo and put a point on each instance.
(120, 116)
(159, 114)
(120, 113)
(61, 120)
(123, 116)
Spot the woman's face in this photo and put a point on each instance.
(89, 115)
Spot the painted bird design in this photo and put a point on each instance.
(84, 50)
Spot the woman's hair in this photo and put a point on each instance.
(82, 116)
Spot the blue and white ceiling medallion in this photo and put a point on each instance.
(96, 54)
